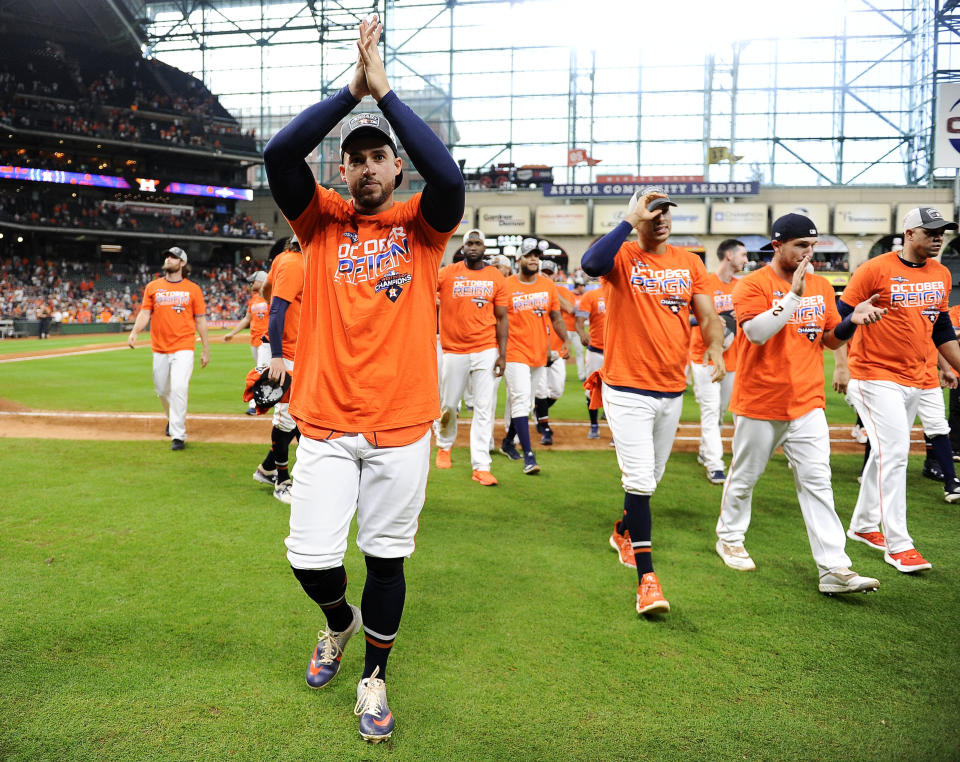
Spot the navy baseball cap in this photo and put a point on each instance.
(369, 124)
(790, 226)
(928, 218)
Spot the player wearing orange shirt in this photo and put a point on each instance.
(554, 377)
(651, 288)
(714, 398)
(256, 318)
(574, 295)
(533, 307)
(887, 371)
(954, 415)
(787, 316)
(176, 311)
(591, 313)
(364, 392)
(473, 335)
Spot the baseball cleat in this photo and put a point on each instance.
(530, 465)
(621, 543)
(933, 471)
(485, 478)
(177, 444)
(735, 556)
(376, 719)
(700, 459)
(951, 491)
(594, 432)
(907, 561)
(508, 449)
(448, 423)
(547, 435)
(716, 477)
(283, 492)
(265, 477)
(166, 430)
(875, 540)
(650, 598)
(325, 661)
(443, 459)
(251, 411)
(859, 433)
(846, 581)
(541, 427)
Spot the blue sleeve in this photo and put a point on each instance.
(443, 197)
(843, 308)
(598, 259)
(844, 330)
(291, 181)
(943, 330)
(278, 315)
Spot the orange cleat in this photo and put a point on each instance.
(907, 561)
(443, 459)
(485, 478)
(621, 543)
(650, 596)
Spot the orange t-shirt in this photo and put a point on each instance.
(467, 298)
(593, 307)
(174, 308)
(367, 349)
(259, 318)
(286, 282)
(528, 311)
(722, 302)
(896, 348)
(647, 335)
(954, 313)
(782, 379)
(574, 298)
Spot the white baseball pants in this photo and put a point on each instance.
(579, 353)
(553, 380)
(592, 361)
(171, 382)
(333, 479)
(933, 412)
(643, 430)
(887, 410)
(522, 380)
(281, 413)
(478, 367)
(713, 399)
(806, 443)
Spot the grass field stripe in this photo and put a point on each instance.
(65, 354)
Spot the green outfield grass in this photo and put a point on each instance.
(121, 380)
(147, 612)
(14, 346)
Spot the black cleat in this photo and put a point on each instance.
(177, 444)
(932, 470)
(508, 449)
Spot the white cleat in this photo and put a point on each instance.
(846, 581)
(735, 556)
(282, 492)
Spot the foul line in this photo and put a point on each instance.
(65, 354)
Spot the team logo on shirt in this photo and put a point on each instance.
(178, 301)
(352, 237)
(898, 279)
(811, 330)
(671, 282)
(392, 285)
(537, 302)
(674, 304)
(480, 292)
(931, 313)
(368, 260)
(722, 302)
(906, 294)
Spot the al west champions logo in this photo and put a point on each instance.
(178, 301)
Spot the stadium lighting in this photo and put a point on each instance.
(19, 239)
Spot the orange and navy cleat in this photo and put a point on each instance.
(325, 662)
(622, 544)
(650, 596)
(376, 719)
(875, 540)
(485, 478)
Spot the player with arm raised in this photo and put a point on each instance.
(787, 316)
(364, 393)
(651, 288)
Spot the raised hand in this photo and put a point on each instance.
(374, 71)
(641, 212)
(800, 277)
(868, 312)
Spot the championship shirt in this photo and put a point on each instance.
(259, 318)
(647, 335)
(896, 347)
(173, 311)
(467, 298)
(722, 294)
(367, 349)
(593, 308)
(528, 310)
(782, 380)
(574, 298)
(286, 281)
(954, 313)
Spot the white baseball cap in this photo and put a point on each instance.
(176, 251)
(928, 218)
(258, 277)
(473, 233)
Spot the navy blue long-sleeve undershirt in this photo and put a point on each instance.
(598, 259)
(278, 316)
(292, 183)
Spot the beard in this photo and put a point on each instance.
(367, 198)
(172, 268)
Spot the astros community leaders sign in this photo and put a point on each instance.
(601, 190)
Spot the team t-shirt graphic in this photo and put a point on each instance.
(529, 307)
(467, 298)
(174, 307)
(259, 318)
(722, 294)
(593, 307)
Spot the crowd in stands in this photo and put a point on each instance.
(113, 97)
(80, 212)
(77, 292)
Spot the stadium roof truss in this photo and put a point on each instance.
(844, 102)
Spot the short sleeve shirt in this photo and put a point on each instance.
(528, 310)
(174, 308)
(593, 308)
(259, 318)
(286, 279)
(722, 294)
(467, 298)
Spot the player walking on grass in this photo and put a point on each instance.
(787, 316)
(256, 318)
(175, 309)
(533, 308)
(473, 334)
(554, 377)
(887, 372)
(591, 314)
(284, 286)
(651, 288)
(714, 398)
(364, 394)
(573, 295)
